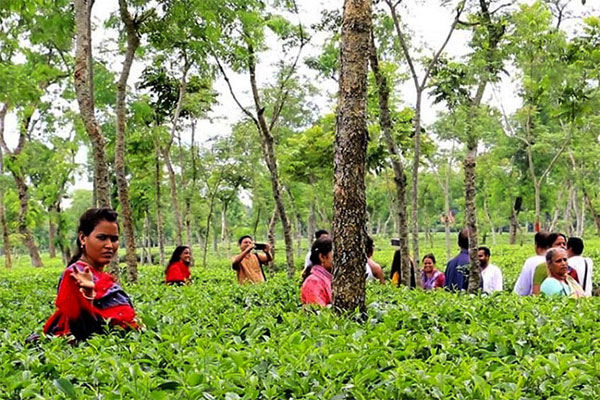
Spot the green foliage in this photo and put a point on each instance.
(215, 339)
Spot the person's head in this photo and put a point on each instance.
(97, 237)
(321, 253)
(556, 259)
(541, 242)
(181, 253)
(574, 246)
(245, 241)
(370, 247)
(428, 262)
(557, 239)
(463, 239)
(321, 232)
(483, 254)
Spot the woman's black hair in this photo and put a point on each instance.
(321, 246)
(176, 255)
(430, 256)
(88, 221)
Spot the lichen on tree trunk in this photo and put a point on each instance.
(351, 139)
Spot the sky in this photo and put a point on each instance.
(427, 22)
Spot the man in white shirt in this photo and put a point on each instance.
(491, 274)
(318, 234)
(583, 265)
(524, 284)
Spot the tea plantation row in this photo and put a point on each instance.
(216, 340)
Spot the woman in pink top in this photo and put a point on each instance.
(316, 283)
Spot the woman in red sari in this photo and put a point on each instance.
(178, 269)
(88, 298)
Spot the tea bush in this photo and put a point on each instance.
(217, 340)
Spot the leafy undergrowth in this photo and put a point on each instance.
(216, 340)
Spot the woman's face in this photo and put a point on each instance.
(186, 256)
(327, 260)
(560, 242)
(100, 246)
(428, 265)
(559, 265)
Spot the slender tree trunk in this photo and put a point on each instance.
(159, 215)
(52, 231)
(312, 221)
(351, 139)
(147, 254)
(387, 128)
(167, 154)
(83, 81)
(133, 42)
(22, 189)
(514, 226)
(489, 218)
(3, 224)
(581, 218)
(271, 237)
(554, 221)
(256, 221)
(271, 161)
(568, 220)
(447, 212)
(471, 191)
(211, 208)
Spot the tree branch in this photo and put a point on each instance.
(403, 44)
(437, 55)
(235, 98)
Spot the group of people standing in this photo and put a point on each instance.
(88, 298)
(557, 269)
(317, 277)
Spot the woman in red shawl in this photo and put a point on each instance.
(88, 297)
(178, 269)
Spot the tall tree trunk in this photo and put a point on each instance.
(312, 221)
(471, 211)
(514, 226)
(581, 218)
(83, 81)
(471, 191)
(568, 220)
(489, 218)
(167, 153)
(297, 222)
(420, 86)
(351, 139)
(268, 143)
(22, 221)
(159, 215)
(52, 231)
(387, 128)
(147, 254)
(256, 221)
(447, 211)
(3, 224)
(211, 207)
(133, 42)
(271, 237)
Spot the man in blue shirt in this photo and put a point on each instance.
(457, 269)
